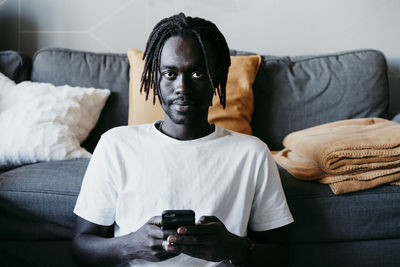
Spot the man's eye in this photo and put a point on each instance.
(197, 75)
(169, 75)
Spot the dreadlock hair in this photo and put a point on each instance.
(207, 35)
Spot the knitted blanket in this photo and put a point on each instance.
(349, 155)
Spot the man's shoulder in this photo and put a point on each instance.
(244, 140)
(130, 132)
(126, 129)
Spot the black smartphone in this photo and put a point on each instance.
(173, 219)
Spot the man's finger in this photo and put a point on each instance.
(156, 244)
(208, 219)
(199, 229)
(166, 245)
(156, 220)
(161, 234)
(188, 239)
(194, 251)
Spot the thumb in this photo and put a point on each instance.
(156, 220)
(208, 219)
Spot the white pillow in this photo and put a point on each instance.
(43, 122)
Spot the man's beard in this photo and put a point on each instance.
(184, 118)
(189, 117)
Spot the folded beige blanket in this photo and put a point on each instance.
(349, 155)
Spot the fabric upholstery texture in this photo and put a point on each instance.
(36, 253)
(15, 65)
(355, 253)
(349, 145)
(294, 93)
(349, 155)
(239, 95)
(37, 200)
(321, 216)
(43, 122)
(99, 70)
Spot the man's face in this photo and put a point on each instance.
(185, 89)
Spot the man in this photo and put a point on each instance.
(183, 162)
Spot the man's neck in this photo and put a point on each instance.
(185, 131)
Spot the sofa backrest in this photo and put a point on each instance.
(15, 65)
(294, 93)
(290, 93)
(86, 69)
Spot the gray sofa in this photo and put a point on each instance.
(356, 229)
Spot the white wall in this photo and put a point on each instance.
(277, 27)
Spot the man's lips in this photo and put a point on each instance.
(183, 107)
(183, 102)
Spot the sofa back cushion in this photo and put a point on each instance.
(295, 93)
(15, 65)
(76, 68)
(290, 93)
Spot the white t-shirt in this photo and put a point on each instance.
(136, 172)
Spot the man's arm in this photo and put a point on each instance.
(94, 244)
(271, 248)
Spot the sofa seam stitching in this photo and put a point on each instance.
(289, 59)
(41, 192)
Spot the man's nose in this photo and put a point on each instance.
(183, 85)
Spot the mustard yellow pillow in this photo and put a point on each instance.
(239, 95)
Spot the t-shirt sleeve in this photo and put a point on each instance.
(97, 199)
(269, 208)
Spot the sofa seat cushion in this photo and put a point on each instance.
(366, 253)
(43, 194)
(36, 253)
(321, 216)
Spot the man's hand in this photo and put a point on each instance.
(209, 240)
(149, 241)
(95, 245)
